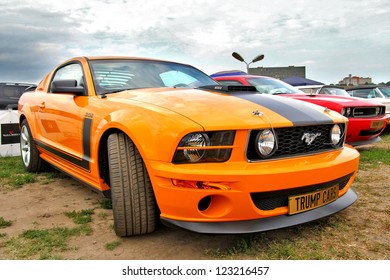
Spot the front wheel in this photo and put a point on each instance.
(133, 201)
(32, 162)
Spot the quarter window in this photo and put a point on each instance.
(70, 72)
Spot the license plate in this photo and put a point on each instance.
(304, 202)
(377, 124)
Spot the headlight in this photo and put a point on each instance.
(196, 147)
(195, 140)
(336, 135)
(377, 111)
(266, 143)
(346, 112)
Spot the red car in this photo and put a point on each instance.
(367, 120)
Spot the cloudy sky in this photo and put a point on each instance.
(332, 38)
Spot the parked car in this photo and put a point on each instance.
(164, 140)
(10, 93)
(372, 92)
(367, 120)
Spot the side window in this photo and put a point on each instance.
(362, 93)
(12, 92)
(370, 93)
(70, 72)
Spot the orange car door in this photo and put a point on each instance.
(62, 121)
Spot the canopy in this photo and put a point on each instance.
(228, 73)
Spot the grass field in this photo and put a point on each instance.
(360, 232)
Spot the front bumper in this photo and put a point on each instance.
(245, 183)
(266, 224)
(365, 131)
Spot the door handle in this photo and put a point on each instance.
(42, 105)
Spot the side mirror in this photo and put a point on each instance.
(67, 86)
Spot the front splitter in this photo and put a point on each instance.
(266, 224)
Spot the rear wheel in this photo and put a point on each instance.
(133, 201)
(32, 162)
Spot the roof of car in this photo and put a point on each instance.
(120, 57)
(332, 86)
(116, 58)
(362, 87)
(229, 73)
(242, 76)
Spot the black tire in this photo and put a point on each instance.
(133, 200)
(31, 160)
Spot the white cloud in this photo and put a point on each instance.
(332, 38)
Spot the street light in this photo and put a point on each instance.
(239, 57)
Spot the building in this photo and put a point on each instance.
(355, 81)
(279, 72)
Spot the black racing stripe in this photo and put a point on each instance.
(295, 111)
(87, 125)
(76, 161)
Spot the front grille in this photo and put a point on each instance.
(366, 112)
(290, 142)
(369, 132)
(271, 200)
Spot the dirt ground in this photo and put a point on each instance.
(37, 206)
(43, 206)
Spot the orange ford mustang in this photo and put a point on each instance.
(164, 140)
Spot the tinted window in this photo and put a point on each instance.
(363, 93)
(10, 94)
(385, 91)
(116, 75)
(272, 86)
(333, 91)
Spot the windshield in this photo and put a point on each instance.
(365, 93)
(272, 86)
(123, 74)
(333, 91)
(385, 91)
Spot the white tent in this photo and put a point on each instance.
(9, 133)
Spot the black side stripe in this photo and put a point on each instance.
(87, 125)
(295, 111)
(83, 162)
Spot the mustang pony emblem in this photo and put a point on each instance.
(309, 137)
(257, 113)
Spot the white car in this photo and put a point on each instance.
(374, 92)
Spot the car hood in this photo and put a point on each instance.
(216, 110)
